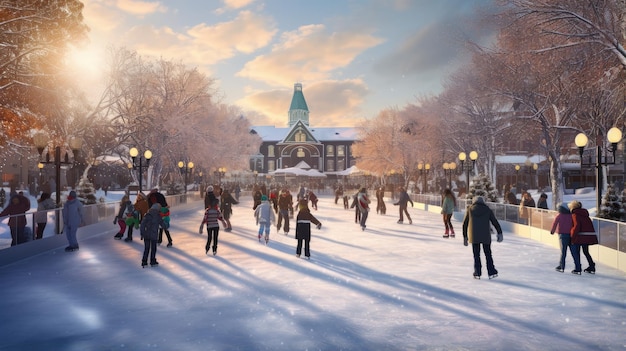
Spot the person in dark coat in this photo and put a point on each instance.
(543, 201)
(150, 226)
(303, 228)
(403, 201)
(582, 235)
(285, 205)
(226, 207)
(380, 201)
(511, 198)
(562, 225)
(476, 230)
(18, 205)
(155, 197)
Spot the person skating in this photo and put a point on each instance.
(562, 225)
(150, 226)
(72, 219)
(303, 228)
(44, 204)
(156, 197)
(285, 205)
(226, 207)
(363, 205)
(447, 210)
(264, 218)
(582, 235)
(403, 201)
(211, 217)
(476, 230)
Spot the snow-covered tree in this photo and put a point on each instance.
(85, 190)
(611, 206)
(482, 186)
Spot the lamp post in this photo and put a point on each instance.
(467, 167)
(517, 168)
(147, 155)
(221, 173)
(41, 142)
(448, 169)
(614, 136)
(423, 170)
(185, 170)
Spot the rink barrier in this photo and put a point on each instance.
(611, 250)
(98, 219)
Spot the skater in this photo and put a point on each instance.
(303, 228)
(582, 235)
(447, 209)
(226, 207)
(44, 204)
(211, 216)
(120, 219)
(562, 225)
(354, 204)
(72, 219)
(380, 201)
(264, 218)
(285, 205)
(403, 200)
(18, 205)
(156, 197)
(476, 230)
(150, 225)
(363, 206)
(338, 193)
(313, 198)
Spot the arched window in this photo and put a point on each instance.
(300, 152)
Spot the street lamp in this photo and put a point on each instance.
(423, 170)
(41, 142)
(614, 136)
(221, 172)
(185, 170)
(467, 167)
(448, 170)
(517, 168)
(147, 155)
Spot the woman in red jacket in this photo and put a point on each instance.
(582, 235)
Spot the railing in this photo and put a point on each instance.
(611, 234)
(92, 214)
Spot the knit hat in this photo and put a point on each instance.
(72, 195)
(263, 197)
(479, 200)
(210, 188)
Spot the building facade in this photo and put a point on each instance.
(326, 149)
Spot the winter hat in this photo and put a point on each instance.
(563, 208)
(72, 195)
(156, 206)
(479, 200)
(210, 188)
(263, 197)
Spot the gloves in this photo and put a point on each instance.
(200, 229)
(465, 242)
(319, 226)
(499, 237)
(115, 220)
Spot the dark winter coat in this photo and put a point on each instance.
(582, 231)
(404, 199)
(226, 204)
(285, 201)
(303, 224)
(157, 197)
(18, 205)
(476, 224)
(151, 223)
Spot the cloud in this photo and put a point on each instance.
(237, 4)
(140, 8)
(307, 54)
(330, 102)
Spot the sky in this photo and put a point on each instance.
(353, 57)
(390, 287)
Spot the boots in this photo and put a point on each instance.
(451, 232)
(447, 233)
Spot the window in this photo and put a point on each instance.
(300, 137)
(330, 165)
(271, 165)
(330, 150)
(341, 150)
(270, 151)
(300, 153)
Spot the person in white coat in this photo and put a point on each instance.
(265, 218)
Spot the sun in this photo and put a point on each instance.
(87, 66)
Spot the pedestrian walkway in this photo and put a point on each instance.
(390, 287)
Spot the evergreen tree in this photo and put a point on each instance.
(482, 186)
(611, 206)
(85, 191)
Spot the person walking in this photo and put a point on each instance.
(149, 228)
(403, 200)
(448, 204)
(562, 225)
(211, 217)
(285, 205)
(582, 235)
(72, 219)
(44, 204)
(303, 228)
(363, 205)
(226, 207)
(264, 218)
(476, 230)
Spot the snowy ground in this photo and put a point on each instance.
(392, 287)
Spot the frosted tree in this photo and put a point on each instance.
(85, 190)
(611, 206)
(482, 186)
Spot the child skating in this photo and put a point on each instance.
(265, 218)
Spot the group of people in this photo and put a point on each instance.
(576, 231)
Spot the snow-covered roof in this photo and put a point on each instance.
(272, 133)
(519, 159)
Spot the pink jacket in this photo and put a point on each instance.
(562, 224)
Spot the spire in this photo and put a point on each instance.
(298, 111)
